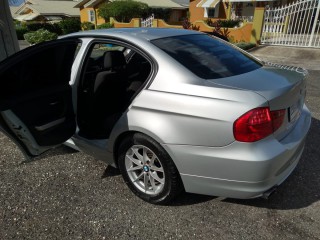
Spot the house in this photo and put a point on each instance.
(227, 9)
(13, 10)
(184, 3)
(178, 11)
(89, 9)
(44, 10)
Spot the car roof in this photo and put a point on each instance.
(135, 33)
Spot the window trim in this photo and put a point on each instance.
(91, 15)
(92, 41)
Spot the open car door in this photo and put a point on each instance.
(36, 109)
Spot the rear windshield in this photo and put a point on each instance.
(207, 57)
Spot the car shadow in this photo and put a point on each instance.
(110, 172)
(57, 151)
(186, 199)
(300, 190)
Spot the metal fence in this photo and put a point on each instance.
(147, 22)
(297, 24)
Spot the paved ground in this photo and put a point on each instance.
(23, 44)
(69, 195)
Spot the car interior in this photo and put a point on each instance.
(112, 76)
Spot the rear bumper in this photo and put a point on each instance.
(241, 170)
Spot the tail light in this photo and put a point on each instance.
(257, 124)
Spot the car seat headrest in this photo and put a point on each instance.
(114, 59)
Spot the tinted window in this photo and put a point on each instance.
(45, 65)
(207, 57)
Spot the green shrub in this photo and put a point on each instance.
(123, 10)
(230, 23)
(87, 26)
(186, 24)
(34, 26)
(21, 31)
(105, 25)
(39, 36)
(245, 46)
(70, 25)
(17, 23)
(56, 28)
(224, 23)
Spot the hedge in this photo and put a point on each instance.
(39, 36)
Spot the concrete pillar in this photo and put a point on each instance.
(257, 25)
(155, 23)
(228, 10)
(286, 24)
(111, 20)
(8, 37)
(136, 22)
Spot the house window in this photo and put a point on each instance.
(211, 12)
(91, 16)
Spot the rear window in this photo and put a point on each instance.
(207, 57)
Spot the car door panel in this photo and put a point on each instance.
(54, 123)
(35, 95)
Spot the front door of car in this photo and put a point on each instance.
(36, 108)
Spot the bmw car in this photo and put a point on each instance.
(174, 110)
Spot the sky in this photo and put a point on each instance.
(15, 2)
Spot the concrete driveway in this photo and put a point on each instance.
(23, 44)
(69, 195)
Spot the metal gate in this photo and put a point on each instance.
(148, 21)
(297, 24)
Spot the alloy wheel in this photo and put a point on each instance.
(144, 169)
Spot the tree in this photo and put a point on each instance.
(70, 25)
(123, 10)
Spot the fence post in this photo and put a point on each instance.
(136, 22)
(155, 23)
(286, 25)
(257, 25)
(228, 6)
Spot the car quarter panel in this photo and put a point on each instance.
(240, 170)
(204, 117)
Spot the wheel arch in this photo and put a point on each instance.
(126, 134)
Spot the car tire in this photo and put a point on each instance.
(148, 169)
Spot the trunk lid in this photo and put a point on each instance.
(284, 87)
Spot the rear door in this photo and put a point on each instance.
(36, 109)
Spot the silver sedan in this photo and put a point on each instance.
(174, 110)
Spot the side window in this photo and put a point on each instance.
(91, 16)
(37, 67)
(135, 66)
(99, 49)
(211, 12)
(95, 60)
(107, 62)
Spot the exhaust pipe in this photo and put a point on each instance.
(269, 192)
